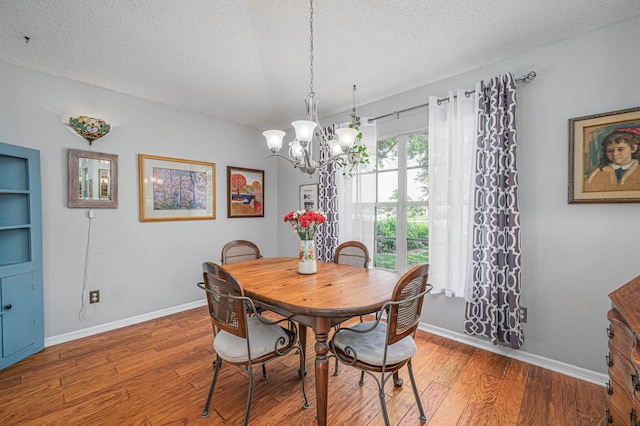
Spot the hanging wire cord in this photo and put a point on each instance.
(522, 79)
(82, 314)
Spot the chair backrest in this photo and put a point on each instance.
(226, 313)
(238, 251)
(404, 317)
(352, 253)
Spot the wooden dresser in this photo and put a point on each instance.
(623, 388)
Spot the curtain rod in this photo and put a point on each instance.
(522, 79)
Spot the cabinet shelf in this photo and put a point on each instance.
(10, 227)
(13, 191)
(14, 245)
(14, 208)
(14, 173)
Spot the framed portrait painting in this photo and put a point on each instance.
(245, 192)
(176, 189)
(604, 157)
(309, 197)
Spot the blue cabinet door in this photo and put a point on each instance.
(21, 299)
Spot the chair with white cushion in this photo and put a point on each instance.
(384, 347)
(242, 337)
(352, 253)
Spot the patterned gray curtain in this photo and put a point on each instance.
(327, 237)
(493, 309)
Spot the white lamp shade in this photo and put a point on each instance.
(304, 129)
(346, 137)
(335, 147)
(295, 150)
(274, 139)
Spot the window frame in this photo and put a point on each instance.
(402, 204)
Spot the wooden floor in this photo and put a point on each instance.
(159, 372)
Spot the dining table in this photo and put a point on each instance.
(320, 301)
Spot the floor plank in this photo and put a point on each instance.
(509, 400)
(159, 372)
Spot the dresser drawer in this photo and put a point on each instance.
(622, 370)
(620, 336)
(620, 399)
(615, 418)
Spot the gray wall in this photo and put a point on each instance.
(138, 267)
(569, 261)
(568, 266)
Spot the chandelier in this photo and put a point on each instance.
(301, 148)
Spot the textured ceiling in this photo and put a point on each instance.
(248, 60)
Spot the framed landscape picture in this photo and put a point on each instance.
(245, 192)
(176, 189)
(604, 157)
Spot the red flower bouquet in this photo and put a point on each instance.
(305, 223)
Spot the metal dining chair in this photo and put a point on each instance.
(240, 339)
(352, 253)
(385, 347)
(238, 251)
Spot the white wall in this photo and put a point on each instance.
(138, 267)
(569, 262)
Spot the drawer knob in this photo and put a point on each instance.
(609, 360)
(636, 382)
(610, 333)
(633, 416)
(609, 388)
(7, 307)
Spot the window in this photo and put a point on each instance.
(401, 187)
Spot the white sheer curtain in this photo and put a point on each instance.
(356, 195)
(452, 127)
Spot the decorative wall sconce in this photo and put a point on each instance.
(89, 128)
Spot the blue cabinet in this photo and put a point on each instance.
(21, 299)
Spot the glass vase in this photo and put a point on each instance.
(307, 259)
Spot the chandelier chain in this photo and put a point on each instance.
(339, 146)
(311, 93)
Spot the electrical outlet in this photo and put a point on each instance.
(523, 314)
(94, 296)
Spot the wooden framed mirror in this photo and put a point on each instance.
(93, 179)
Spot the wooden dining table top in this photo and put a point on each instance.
(334, 291)
(322, 300)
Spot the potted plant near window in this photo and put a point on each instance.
(358, 156)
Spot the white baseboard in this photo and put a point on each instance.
(85, 332)
(540, 361)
